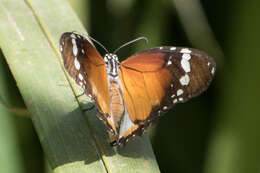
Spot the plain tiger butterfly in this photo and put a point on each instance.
(130, 95)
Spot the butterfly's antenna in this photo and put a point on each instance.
(101, 45)
(130, 42)
(86, 35)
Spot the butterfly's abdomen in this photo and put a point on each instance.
(117, 107)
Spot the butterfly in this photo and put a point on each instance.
(130, 95)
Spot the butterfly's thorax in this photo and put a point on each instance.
(112, 65)
(117, 102)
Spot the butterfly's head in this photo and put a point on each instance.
(112, 64)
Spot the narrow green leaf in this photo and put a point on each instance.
(29, 35)
(9, 151)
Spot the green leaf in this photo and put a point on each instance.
(8, 134)
(72, 141)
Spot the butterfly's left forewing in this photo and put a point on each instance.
(153, 81)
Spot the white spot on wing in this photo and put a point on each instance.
(165, 108)
(73, 36)
(80, 77)
(179, 92)
(185, 65)
(185, 50)
(212, 70)
(169, 62)
(180, 99)
(76, 64)
(74, 47)
(161, 48)
(186, 56)
(173, 96)
(173, 48)
(184, 80)
(175, 101)
(75, 50)
(61, 49)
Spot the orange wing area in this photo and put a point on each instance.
(144, 81)
(145, 62)
(91, 68)
(97, 78)
(144, 84)
(143, 90)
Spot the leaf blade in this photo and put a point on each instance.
(67, 137)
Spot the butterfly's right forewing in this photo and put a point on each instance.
(87, 67)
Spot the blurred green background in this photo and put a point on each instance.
(217, 132)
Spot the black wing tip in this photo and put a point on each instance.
(122, 141)
(113, 143)
(69, 34)
(119, 142)
(65, 34)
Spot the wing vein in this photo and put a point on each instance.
(130, 68)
